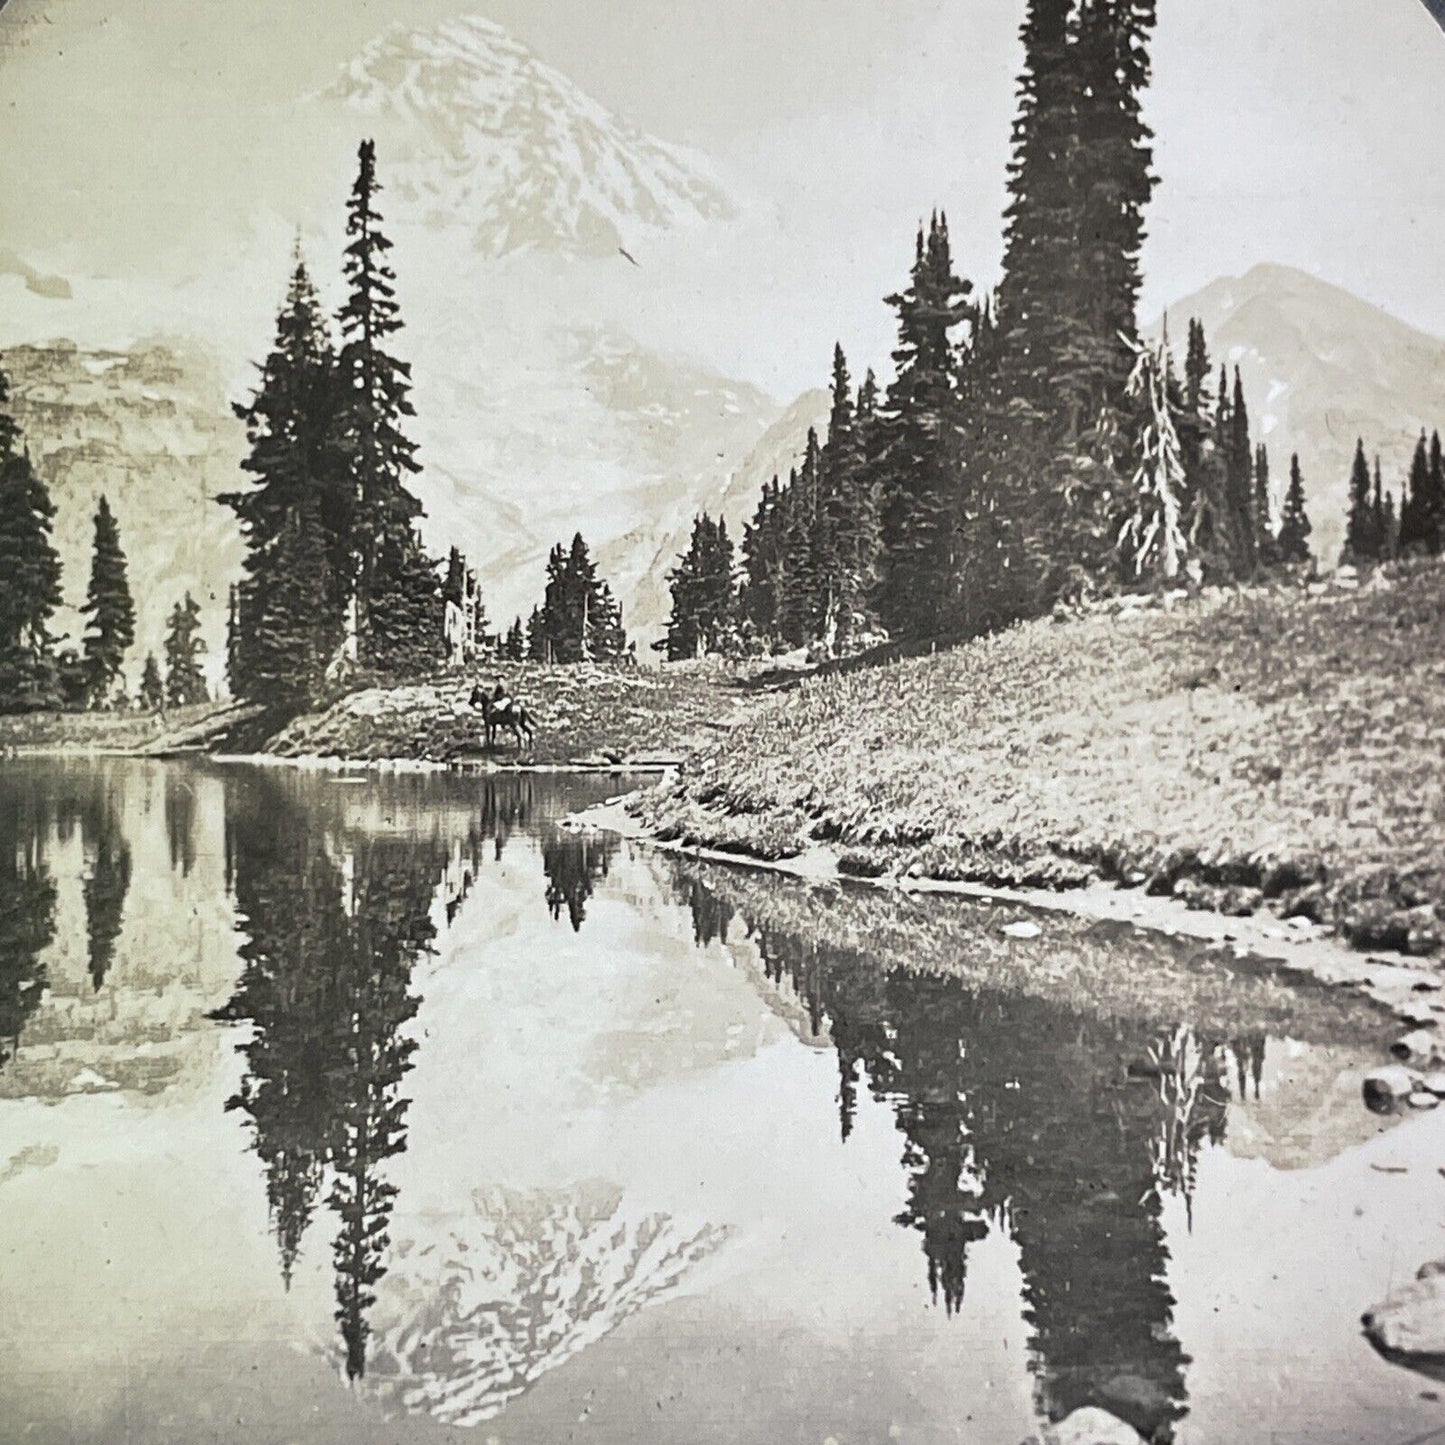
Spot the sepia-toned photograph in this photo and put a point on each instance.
(722, 722)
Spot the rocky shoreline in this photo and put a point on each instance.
(1412, 992)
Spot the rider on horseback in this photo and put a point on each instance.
(501, 699)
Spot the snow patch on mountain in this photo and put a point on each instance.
(496, 140)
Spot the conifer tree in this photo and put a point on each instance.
(1239, 473)
(920, 453)
(185, 682)
(375, 390)
(579, 599)
(1360, 524)
(1433, 513)
(1422, 510)
(1266, 550)
(1414, 502)
(1114, 180)
(289, 643)
(288, 613)
(606, 638)
(579, 619)
(1152, 538)
(762, 551)
(1381, 521)
(1193, 431)
(538, 643)
(1041, 346)
(704, 594)
(1294, 527)
(152, 689)
(801, 589)
(29, 575)
(515, 646)
(109, 607)
(407, 635)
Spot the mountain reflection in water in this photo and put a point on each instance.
(1057, 1094)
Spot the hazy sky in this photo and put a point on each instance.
(1310, 132)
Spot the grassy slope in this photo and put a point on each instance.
(1281, 744)
(581, 714)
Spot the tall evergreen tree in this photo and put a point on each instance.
(1433, 526)
(762, 552)
(539, 645)
(514, 648)
(920, 454)
(375, 391)
(1239, 481)
(108, 605)
(803, 593)
(704, 594)
(1152, 539)
(1041, 344)
(579, 619)
(185, 682)
(1265, 548)
(289, 610)
(1415, 502)
(1114, 180)
(29, 575)
(1360, 523)
(1381, 518)
(1294, 527)
(606, 637)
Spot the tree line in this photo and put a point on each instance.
(335, 568)
(1031, 449)
(37, 672)
(336, 571)
(578, 620)
(1376, 531)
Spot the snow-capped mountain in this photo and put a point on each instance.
(497, 141)
(1321, 368)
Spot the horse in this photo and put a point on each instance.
(510, 715)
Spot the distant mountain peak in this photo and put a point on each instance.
(496, 140)
(1321, 367)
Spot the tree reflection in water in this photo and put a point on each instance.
(27, 906)
(334, 896)
(334, 920)
(107, 878)
(1067, 1128)
(575, 862)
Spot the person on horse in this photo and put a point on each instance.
(501, 699)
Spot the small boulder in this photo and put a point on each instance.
(1386, 1089)
(1090, 1426)
(1423, 1099)
(1022, 929)
(1435, 1083)
(1419, 1046)
(1411, 1321)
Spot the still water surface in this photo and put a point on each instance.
(357, 1108)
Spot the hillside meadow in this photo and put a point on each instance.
(1278, 747)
